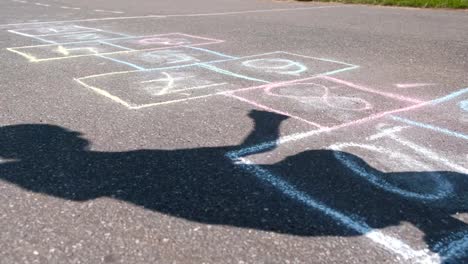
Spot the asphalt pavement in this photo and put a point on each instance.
(232, 131)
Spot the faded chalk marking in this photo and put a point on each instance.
(197, 88)
(66, 52)
(390, 243)
(428, 153)
(272, 110)
(108, 11)
(281, 66)
(413, 85)
(338, 102)
(212, 52)
(41, 4)
(250, 11)
(463, 105)
(430, 127)
(163, 41)
(209, 41)
(30, 36)
(115, 45)
(170, 102)
(450, 96)
(225, 72)
(175, 15)
(27, 56)
(391, 95)
(169, 80)
(123, 62)
(386, 132)
(453, 248)
(299, 136)
(105, 94)
(443, 189)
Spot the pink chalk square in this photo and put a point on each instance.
(321, 101)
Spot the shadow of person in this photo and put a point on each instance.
(201, 184)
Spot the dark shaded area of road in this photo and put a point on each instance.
(202, 185)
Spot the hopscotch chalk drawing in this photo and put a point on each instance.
(110, 46)
(321, 101)
(147, 88)
(172, 68)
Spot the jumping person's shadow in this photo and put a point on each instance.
(202, 185)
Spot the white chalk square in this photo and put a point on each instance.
(168, 57)
(52, 30)
(282, 66)
(81, 36)
(145, 88)
(163, 41)
(64, 51)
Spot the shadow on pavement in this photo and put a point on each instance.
(202, 185)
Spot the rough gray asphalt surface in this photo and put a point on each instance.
(119, 168)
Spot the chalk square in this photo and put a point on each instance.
(382, 160)
(282, 66)
(448, 115)
(168, 57)
(145, 88)
(64, 51)
(162, 41)
(52, 30)
(81, 36)
(321, 101)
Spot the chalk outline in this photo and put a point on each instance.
(129, 105)
(319, 76)
(443, 190)
(137, 66)
(34, 59)
(442, 130)
(390, 243)
(88, 29)
(350, 66)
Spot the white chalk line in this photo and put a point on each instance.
(105, 94)
(386, 132)
(96, 54)
(170, 67)
(69, 7)
(109, 39)
(41, 4)
(197, 87)
(428, 153)
(413, 85)
(108, 11)
(176, 15)
(136, 107)
(390, 243)
(444, 188)
(396, 245)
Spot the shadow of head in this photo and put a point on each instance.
(38, 141)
